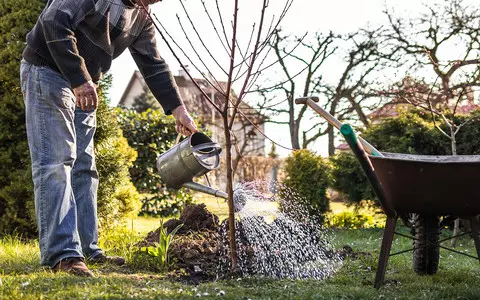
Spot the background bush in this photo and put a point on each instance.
(468, 142)
(350, 220)
(117, 197)
(411, 132)
(16, 186)
(307, 175)
(151, 133)
(349, 179)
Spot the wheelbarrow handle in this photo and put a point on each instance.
(310, 101)
(357, 149)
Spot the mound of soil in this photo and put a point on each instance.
(200, 246)
(196, 245)
(195, 218)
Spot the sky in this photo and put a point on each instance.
(340, 16)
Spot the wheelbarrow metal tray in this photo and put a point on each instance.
(427, 184)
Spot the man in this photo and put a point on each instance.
(72, 44)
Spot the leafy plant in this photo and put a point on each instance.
(151, 133)
(410, 132)
(160, 250)
(306, 182)
(120, 240)
(350, 220)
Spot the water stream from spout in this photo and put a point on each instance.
(276, 237)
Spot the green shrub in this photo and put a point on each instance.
(410, 132)
(118, 199)
(350, 220)
(468, 142)
(364, 214)
(151, 133)
(16, 187)
(349, 179)
(307, 175)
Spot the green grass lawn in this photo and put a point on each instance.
(21, 277)
(217, 206)
(458, 277)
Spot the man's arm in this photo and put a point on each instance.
(155, 70)
(59, 21)
(160, 80)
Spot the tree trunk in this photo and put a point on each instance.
(231, 211)
(456, 224)
(453, 141)
(331, 140)
(294, 135)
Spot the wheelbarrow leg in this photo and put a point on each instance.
(385, 250)
(476, 238)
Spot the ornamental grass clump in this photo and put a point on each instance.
(160, 248)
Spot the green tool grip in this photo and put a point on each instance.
(347, 131)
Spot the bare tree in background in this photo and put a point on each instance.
(278, 99)
(240, 62)
(359, 58)
(355, 93)
(443, 47)
(442, 44)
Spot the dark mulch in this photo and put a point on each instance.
(196, 246)
(200, 246)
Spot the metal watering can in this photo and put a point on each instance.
(192, 157)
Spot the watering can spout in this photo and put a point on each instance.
(205, 189)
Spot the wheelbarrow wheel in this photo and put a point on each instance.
(426, 253)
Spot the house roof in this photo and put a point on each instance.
(393, 109)
(422, 92)
(388, 110)
(195, 98)
(343, 147)
(135, 76)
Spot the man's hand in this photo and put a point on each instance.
(184, 123)
(86, 96)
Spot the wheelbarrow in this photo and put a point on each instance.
(424, 191)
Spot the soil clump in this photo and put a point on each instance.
(200, 248)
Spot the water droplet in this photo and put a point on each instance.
(277, 237)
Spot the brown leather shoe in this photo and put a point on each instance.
(104, 259)
(73, 265)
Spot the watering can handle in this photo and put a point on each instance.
(310, 101)
(177, 140)
(216, 148)
(208, 145)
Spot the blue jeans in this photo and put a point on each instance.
(60, 138)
